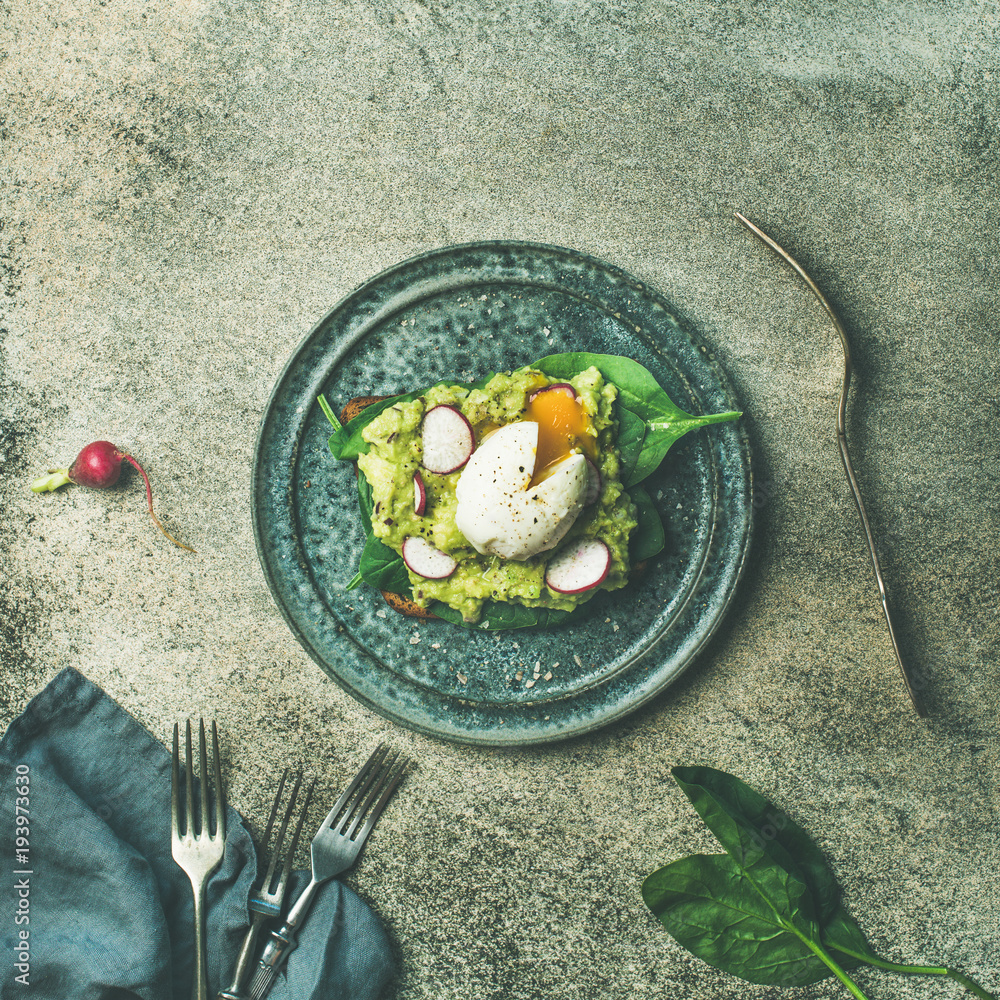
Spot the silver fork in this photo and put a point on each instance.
(334, 849)
(195, 847)
(267, 897)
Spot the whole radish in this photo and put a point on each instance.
(98, 467)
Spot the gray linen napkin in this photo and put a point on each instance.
(93, 906)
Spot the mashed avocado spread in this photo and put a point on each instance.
(394, 457)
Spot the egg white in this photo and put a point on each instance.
(499, 514)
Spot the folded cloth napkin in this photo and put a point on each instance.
(93, 905)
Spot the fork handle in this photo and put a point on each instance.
(200, 966)
(245, 958)
(283, 942)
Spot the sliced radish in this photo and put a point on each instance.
(425, 560)
(563, 387)
(419, 495)
(581, 566)
(594, 484)
(447, 439)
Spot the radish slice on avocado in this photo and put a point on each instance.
(563, 387)
(447, 439)
(425, 560)
(419, 495)
(580, 566)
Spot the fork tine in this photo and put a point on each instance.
(220, 792)
(390, 787)
(203, 821)
(270, 823)
(276, 847)
(189, 785)
(195, 849)
(286, 868)
(175, 784)
(363, 776)
(366, 796)
(388, 779)
(356, 808)
(274, 806)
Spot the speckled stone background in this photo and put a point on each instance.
(188, 187)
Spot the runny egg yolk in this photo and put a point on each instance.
(563, 428)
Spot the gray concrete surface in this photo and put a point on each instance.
(188, 187)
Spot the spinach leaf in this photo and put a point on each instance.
(747, 826)
(637, 389)
(382, 567)
(640, 395)
(767, 911)
(647, 538)
(631, 434)
(708, 905)
(843, 933)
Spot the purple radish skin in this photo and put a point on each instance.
(564, 387)
(425, 560)
(447, 440)
(419, 495)
(581, 566)
(99, 467)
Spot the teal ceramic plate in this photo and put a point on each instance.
(459, 313)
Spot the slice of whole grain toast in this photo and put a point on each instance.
(406, 605)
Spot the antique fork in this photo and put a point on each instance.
(909, 679)
(334, 849)
(267, 897)
(196, 848)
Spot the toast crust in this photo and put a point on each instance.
(408, 607)
(354, 406)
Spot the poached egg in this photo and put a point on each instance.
(503, 509)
